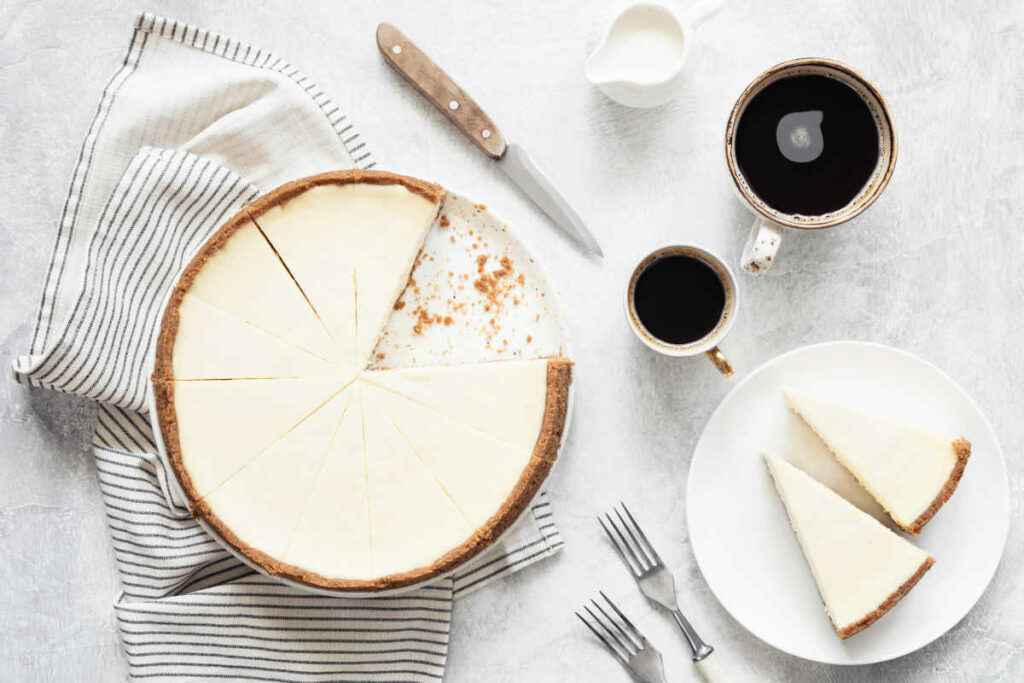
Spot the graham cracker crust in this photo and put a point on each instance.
(887, 604)
(962, 448)
(429, 191)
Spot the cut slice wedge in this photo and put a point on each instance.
(862, 569)
(211, 343)
(211, 429)
(504, 399)
(257, 508)
(911, 472)
(351, 246)
(332, 539)
(238, 271)
(401, 487)
(479, 472)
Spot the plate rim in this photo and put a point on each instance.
(864, 344)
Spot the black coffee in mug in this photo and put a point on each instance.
(807, 144)
(679, 299)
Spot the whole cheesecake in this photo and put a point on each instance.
(309, 463)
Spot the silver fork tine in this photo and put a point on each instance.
(618, 655)
(624, 618)
(650, 546)
(637, 558)
(618, 641)
(643, 551)
(633, 641)
(626, 555)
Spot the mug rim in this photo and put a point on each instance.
(755, 87)
(717, 333)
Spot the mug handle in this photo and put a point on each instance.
(720, 361)
(762, 245)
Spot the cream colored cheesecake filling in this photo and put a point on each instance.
(222, 425)
(333, 535)
(351, 248)
(413, 519)
(903, 467)
(501, 399)
(214, 344)
(861, 568)
(261, 503)
(476, 471)
(245, 277)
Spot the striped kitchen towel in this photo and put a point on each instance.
(192, 126)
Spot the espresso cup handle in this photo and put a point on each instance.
(762, 245)
(721, 362)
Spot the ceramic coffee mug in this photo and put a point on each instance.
(766, 233)
(708, 344)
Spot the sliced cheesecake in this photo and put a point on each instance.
(351, 241)
(862, 569)
(306, 462)
(237, 271)
(910, 471)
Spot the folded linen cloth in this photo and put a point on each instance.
(191, 127)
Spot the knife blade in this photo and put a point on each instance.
(446, 95)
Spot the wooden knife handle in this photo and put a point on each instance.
(444, 93)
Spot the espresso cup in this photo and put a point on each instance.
(770, 221)
(690, 291)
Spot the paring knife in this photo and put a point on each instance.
(434, 84)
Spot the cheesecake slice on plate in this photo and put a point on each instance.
(910, 471)
(862, 568)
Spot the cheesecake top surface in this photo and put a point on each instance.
(310, 463)
(861, 568)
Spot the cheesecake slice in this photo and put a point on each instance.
(332, 539)
(258, 507)
(211, 429)
(238, 272)
(350, 240)
(401, 489)
(862, 569)
(911, 472)
(482, 475)
(505, 399)
(206, 342)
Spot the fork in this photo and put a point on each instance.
(624, 640)
(658, 585)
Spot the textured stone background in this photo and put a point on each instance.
(934, 268)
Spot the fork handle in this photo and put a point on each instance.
(699, 648)
(720, 668)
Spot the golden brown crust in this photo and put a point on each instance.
(166, 414)
(962, 449)
(163, 366)
(429, 191)
(887, 604)
(545, 453)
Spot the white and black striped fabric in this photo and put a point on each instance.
(192, 126)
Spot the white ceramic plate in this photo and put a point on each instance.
(741, 536)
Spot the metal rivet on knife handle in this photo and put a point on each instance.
(444, 93)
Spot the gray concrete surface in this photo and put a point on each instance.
(933, 268)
